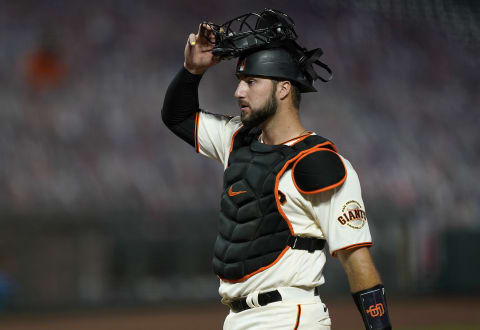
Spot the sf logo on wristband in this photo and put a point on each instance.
(375, 311)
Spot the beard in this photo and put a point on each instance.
(257, 116)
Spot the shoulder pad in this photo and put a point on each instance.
(318, 170)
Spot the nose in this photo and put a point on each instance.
(241, 90)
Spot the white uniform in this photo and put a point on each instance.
(336, 215)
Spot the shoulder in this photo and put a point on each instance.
(348, 166)
(319, 169)
(234, 126)
(226, 125)
(225, 119)
(352, 183)
(235, 122)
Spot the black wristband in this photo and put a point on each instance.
(372, 304)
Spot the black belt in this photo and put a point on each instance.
(264, 299)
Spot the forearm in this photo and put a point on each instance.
(181, 105)
(366, 287)
(360, 269)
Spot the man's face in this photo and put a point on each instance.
(256, 98)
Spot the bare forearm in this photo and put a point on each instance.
(366, 287)
(360, 269)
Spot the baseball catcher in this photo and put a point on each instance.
(287, 191)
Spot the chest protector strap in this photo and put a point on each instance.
(309, 244)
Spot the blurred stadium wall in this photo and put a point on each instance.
(101, 205)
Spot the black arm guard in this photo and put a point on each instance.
(372, 304)
(181, 105)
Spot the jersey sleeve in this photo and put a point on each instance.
(213, 134)
(341, 214)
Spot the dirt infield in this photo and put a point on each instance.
(432, 313)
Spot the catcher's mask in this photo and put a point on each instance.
(266, 47)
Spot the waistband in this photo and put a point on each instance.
(257, 299)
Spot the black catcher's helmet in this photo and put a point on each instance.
(279, 63)
(274, 63)
(266, 47)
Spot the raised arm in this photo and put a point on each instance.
(181, 99)
(366, 287)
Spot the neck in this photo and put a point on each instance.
(281, 127)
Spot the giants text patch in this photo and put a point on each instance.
(352, 215)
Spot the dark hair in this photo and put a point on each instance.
(296, 96)
(295, 91)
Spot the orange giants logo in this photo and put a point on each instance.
(375, 311)
(353, 215)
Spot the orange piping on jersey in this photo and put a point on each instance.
(298, 317)
(335, 185)
(258, 270)
(277, 180)
(233, 138)
(304, 136)
(353, 246)
(197, 116)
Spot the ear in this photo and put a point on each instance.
(284, 88)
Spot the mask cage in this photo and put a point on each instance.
(251, 31)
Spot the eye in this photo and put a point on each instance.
(251, 82)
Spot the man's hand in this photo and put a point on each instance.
(198, 51)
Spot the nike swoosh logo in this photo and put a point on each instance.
(232, 193)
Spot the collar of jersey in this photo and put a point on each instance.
(290, 142)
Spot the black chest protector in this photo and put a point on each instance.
(253, 231)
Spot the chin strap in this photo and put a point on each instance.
(310, 58)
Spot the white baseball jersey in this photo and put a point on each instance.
(336, 215)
